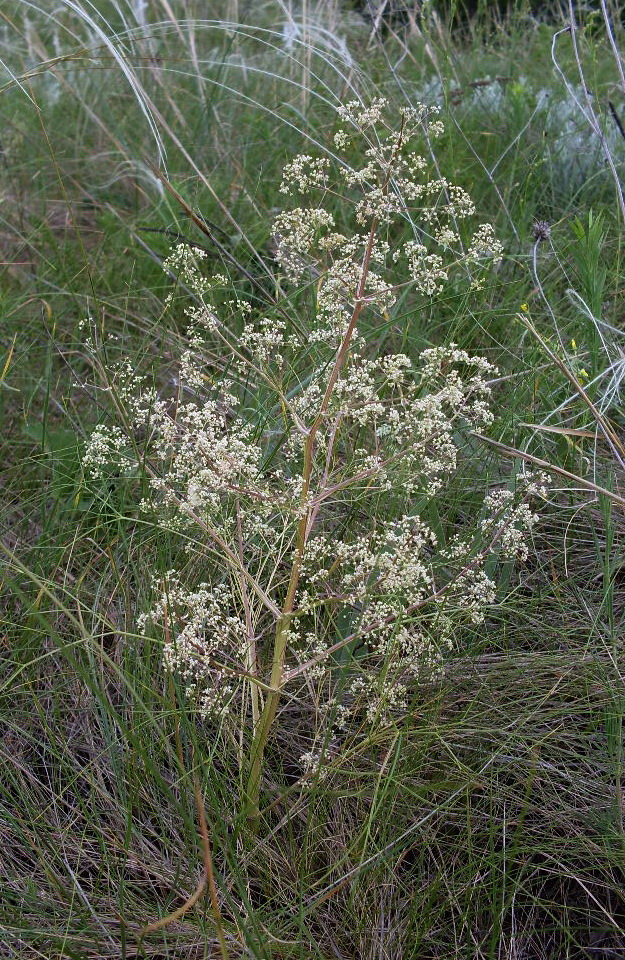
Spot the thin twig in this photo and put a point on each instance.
(177, 914)
(616, 118)
(552, 468)
(587, 112)
(208, 867)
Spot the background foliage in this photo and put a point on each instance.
(488, 822)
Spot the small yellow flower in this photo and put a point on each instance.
(573, 345)
(524, 307)
(583, 375)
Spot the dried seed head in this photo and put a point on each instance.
(541, 231)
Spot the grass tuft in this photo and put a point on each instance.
(485, 819)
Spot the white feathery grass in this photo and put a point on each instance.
(108, 41)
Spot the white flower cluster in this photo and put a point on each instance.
(409, 596)
(410, 415)
(426, 269)
(105, 447)
(305, 172)
(201, 632)
(301, 471)
(485, 245)
(520, 518)
(393, 183)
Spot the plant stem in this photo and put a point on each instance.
(263, 728)
(304, 527)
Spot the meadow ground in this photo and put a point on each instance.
(479, 816)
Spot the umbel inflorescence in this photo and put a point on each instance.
(306, 468)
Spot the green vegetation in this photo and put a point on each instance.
(483, 816)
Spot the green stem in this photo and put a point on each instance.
(257, 752)
(263, 728)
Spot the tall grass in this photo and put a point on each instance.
(486, 820)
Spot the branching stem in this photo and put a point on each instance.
(304, 528)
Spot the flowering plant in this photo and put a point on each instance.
(330, 585)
